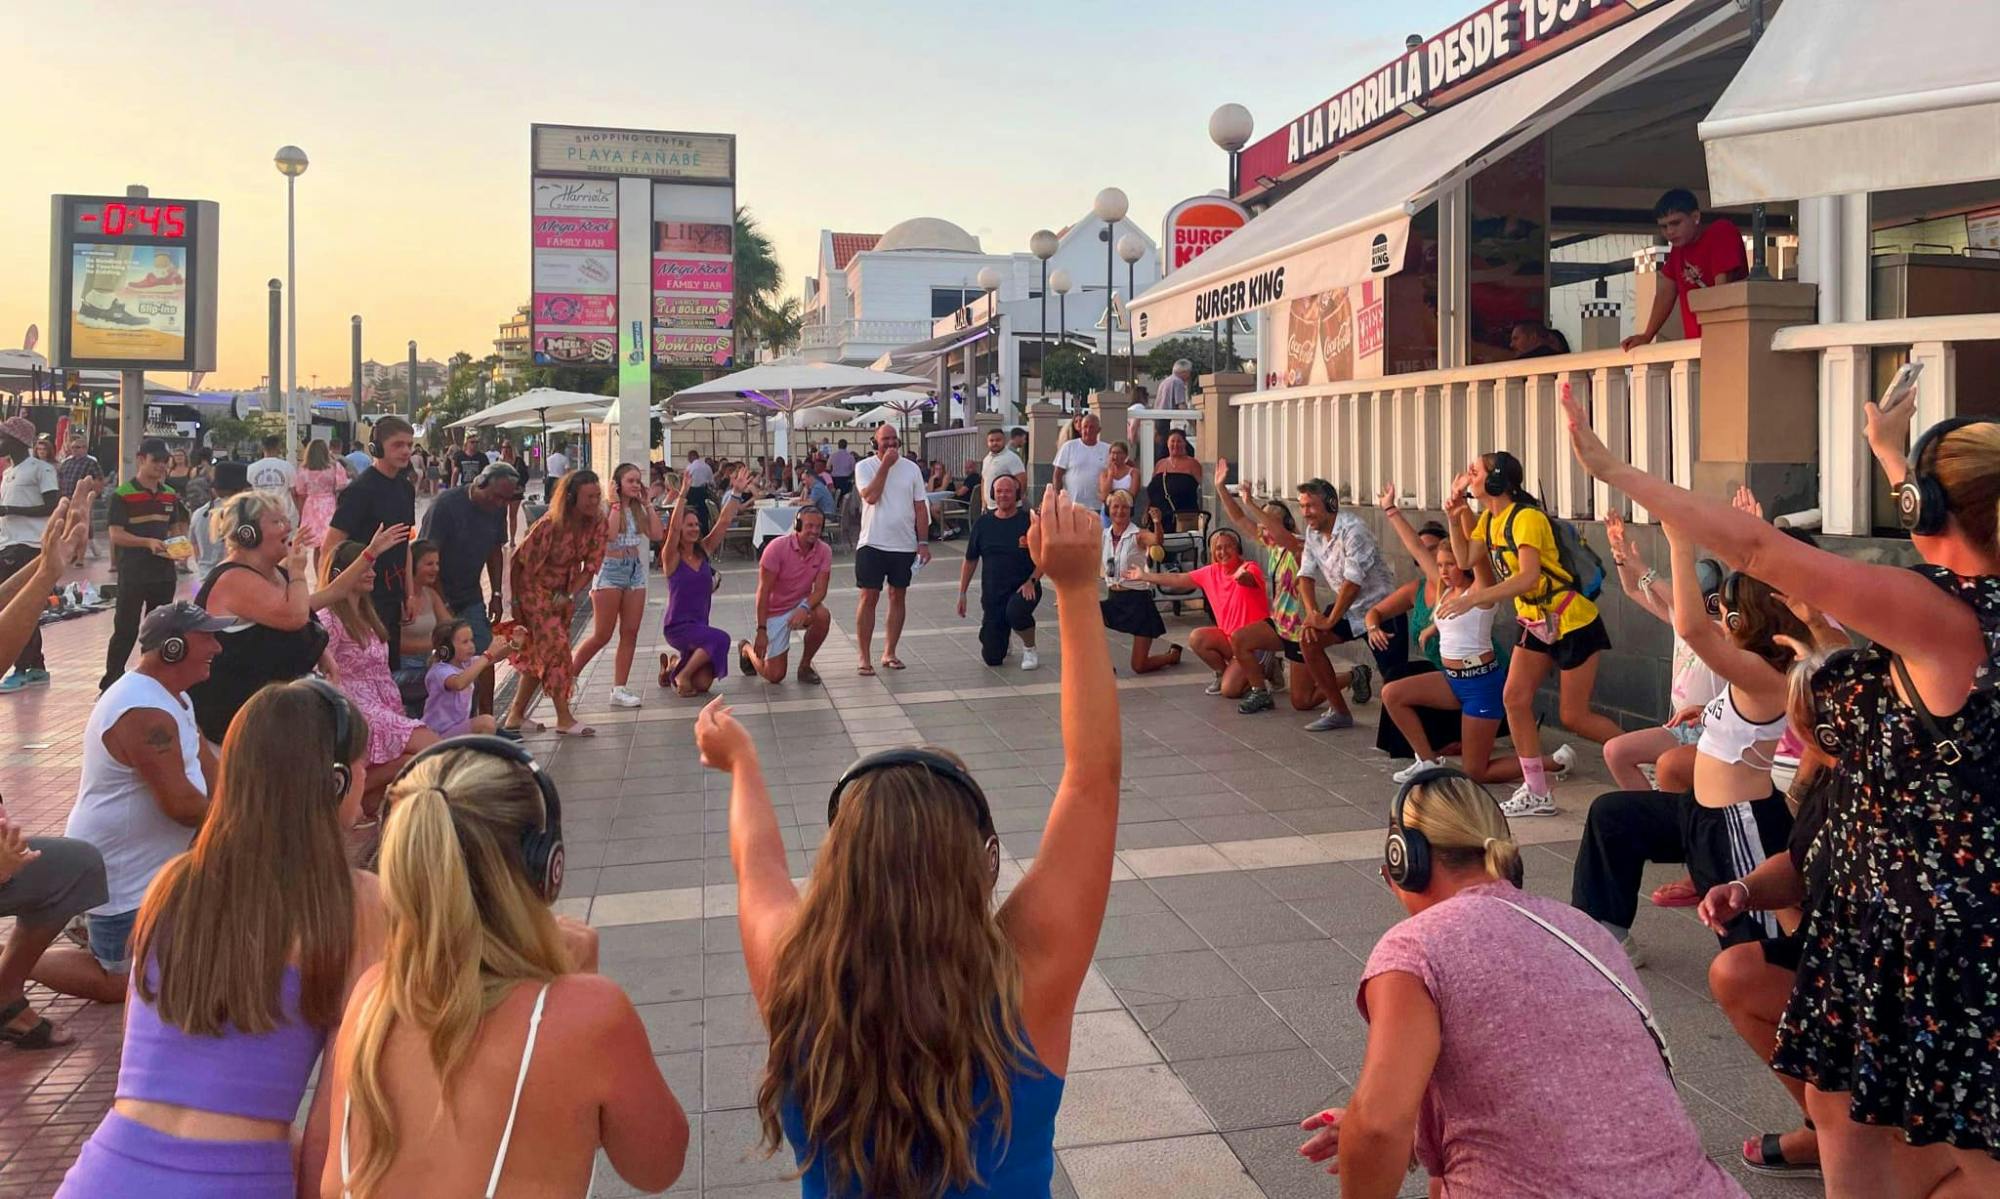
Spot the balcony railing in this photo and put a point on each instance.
(1846, 378)
(874, 333)
(1419, 430)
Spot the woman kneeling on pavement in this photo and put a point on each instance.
(250, 943)
(1464, 1066)
(1234, 588)
(919, 1036)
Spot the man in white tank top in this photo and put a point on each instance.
(143, 790)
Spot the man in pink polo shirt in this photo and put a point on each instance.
(791, 595)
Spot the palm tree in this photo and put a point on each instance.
(759, 317)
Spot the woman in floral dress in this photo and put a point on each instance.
(1891, 1024)
(557, 558)
(319, 480)
(355, 643)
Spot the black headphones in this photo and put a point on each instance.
(173, 649)
(249, 534)
(1406, 857)
(343, 731)
(542, 853)
(940, 767)
(1504, 476)
(1921, 502)
(1729, 594)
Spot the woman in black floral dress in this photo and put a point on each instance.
(1895, 1024)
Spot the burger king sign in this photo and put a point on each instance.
(1196, 225)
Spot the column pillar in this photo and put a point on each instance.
(1217, 436)
(1045, 422)
(1759, 420)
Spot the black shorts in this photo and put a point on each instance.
(1133, 613)
(1292, 651)
(1729, 843)
(872, 567)
(1572, 649)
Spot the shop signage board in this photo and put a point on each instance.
(1492, 42)
(573, 320)
(132, 283)
(1196, 225)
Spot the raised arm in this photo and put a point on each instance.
(765, 896)
(670, 536)
(25, 595)
(1393, 516)
(1936, 633)
(1633, 574)
(1054, 915)
(1736, 665)
(739, 486)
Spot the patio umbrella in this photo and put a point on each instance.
(785, 388)
(898, 405)
(543, 403)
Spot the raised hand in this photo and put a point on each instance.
(741, 481)
(1591, 453)
(1064, 540)
(1745, 500)
(1221, 473)
(295, 554)
(1387, 499)
(723, 741)
(1889, 428)
(386, 538)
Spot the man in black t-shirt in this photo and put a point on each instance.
(382, 497)
(142, 515)
(469, 526)
(1009, 583)
(467, 461)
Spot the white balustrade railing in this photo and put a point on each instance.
(859, 332)
(1419, 430)
(1846, 382)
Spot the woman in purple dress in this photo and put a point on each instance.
(700, 650)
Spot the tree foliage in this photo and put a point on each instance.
(1159, 361)
(1073, 371)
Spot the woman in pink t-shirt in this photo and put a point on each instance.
(1500, 1050)
(1234, 588)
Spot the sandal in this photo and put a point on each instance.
(808, 676)
(1173, 655)
(576, 730)
(1677, 894)
(1770, 1159)
(743, 658)
(666, 670)
(40, 1035)
(867, 670)
(893, 662)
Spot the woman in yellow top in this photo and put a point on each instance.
(1560, 627)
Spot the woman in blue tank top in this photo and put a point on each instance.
(918, 1039)
(246, 947)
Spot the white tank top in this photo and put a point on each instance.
(115, 810)
(1728, 736)
(1120, 555)
(1467, 636)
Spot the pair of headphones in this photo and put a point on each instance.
(1505, 476)
(173, 649)
(1921, 502)
(1406, 856)
(542, 853)
(248, 535)
(1729, 594)
(343, 731)
(941, 768)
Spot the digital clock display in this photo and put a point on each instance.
(133, 219)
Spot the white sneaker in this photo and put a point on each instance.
(622, 698)
(1562, 761)
(1030, 660)
(1418, 767)
(1215, 688)
(1526, 803)
(1633, 952)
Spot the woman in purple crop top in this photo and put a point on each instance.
(249, 943)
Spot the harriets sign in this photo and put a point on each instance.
(1476, 49)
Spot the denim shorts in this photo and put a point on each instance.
(620, 574)
(474, 614)
(111, 940)
(1686, 734)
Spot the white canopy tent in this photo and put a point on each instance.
(1351, 222)
(1838, 98)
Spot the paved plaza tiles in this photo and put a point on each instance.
(1220, 1009)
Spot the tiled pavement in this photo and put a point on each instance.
(1220, 1011)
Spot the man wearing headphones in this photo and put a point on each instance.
(143, 790)
(382, 497)
(792, 578)
(142, 514)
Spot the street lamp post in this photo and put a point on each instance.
(989, 282)
(1131, 248)
(1044, 245)
(291, 162)
(1061, 282)
(1110, 207)
(1230, 127)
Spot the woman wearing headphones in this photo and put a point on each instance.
(1559, 626)
(919, 1039)
(355, 640)
(618, 593)
(484, 1055)
(1464, 1064)
(263, 583)
(1899, 1074)
(250, 942)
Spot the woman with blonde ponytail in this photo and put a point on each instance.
(1511, 1023)
(484, 1056)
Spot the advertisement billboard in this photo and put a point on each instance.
(634, 153)
(1196, 225)
(573, 249)
(132, 283)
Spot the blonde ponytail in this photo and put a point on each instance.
(1463, 825)
(1503, 859)
(464, 927)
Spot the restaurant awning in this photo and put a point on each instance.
(1847, 96)
(1351, 222)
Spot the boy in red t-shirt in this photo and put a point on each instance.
(1702, 255)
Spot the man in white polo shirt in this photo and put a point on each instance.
(895, 529)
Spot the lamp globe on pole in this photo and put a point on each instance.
(291, 163)
(1060, 281)
(1131, 248)
(1043, 244)
(1110, 207)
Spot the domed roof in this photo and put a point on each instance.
(928, 233)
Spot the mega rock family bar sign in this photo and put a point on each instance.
(1474, 54)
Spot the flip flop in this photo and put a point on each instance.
(1677, 894)
(868, 670)
(808, 676)
(40, 1035)
(577, 730)
(666, 670)
(893, 663)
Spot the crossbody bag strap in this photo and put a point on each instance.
(1645, 1015)
(1942, 745)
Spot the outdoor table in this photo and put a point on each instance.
(774, 519)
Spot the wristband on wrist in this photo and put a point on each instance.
(1737, 882)
(1647, 580)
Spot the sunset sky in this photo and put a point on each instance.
(416, 115)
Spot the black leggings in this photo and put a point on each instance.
(136, 597)
(1001, 615)
(13, 560)
(1441, 725)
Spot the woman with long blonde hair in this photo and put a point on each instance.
(357, 646)
(618, 593)
(249, 945)
(485, 1055)
(919, 1038)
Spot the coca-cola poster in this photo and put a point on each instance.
(1331, 336)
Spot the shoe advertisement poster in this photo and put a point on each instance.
(128, 303)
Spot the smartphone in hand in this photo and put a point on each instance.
(1903, 385)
